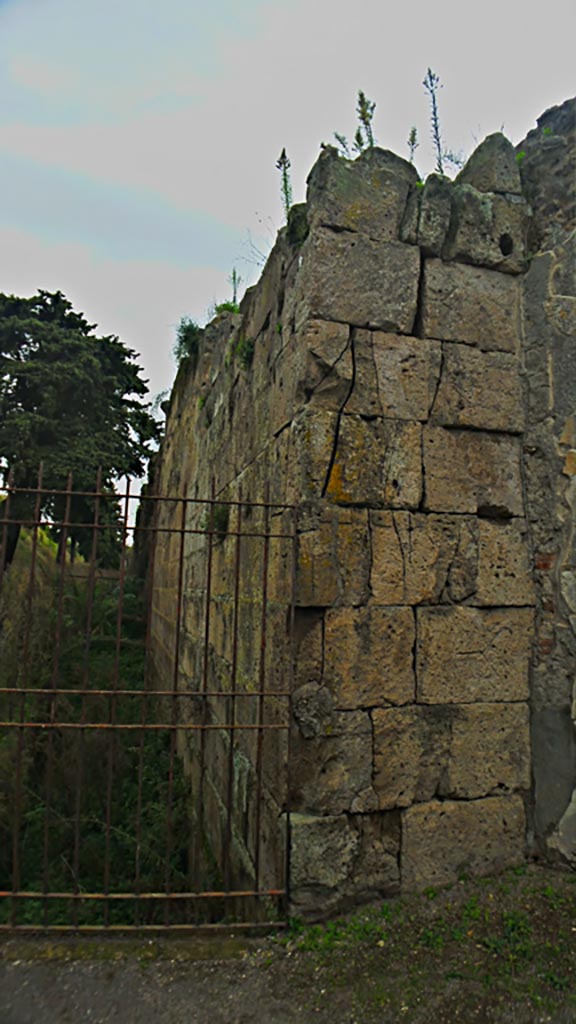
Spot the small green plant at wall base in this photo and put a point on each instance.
(283, 165)
(520, 155)
(202, 401)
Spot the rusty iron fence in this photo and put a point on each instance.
(145, 679)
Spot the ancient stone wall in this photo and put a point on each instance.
(375, 378)
(548, 168)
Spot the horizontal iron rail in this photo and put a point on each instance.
(136, 727)
(191, 694)
(241, 893)
(182, 929)
(172, 530)
(131, 496)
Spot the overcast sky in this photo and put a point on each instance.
(138, 138)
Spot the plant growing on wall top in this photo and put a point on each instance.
(188, 335)
(413, 142)
(283, 165)
(364, 134)
(432, 84)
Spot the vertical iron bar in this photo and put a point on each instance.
(113, 704)
(262, 683)
(232, 702)
(6, 510)
(23, 686)
(291, 670)
(174, 709)
(204, 713)
(85, 682)
(53, 699)
(149, 593)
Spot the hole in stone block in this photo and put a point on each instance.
(506, 244)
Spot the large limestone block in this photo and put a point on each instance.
(368, 656)
(351, 278)
(470, 304)
(377, 462)
(313, 368)
(333, 560)
(465, 655)
(493, 167)
(332, 771)
(422, 559)
(504, 564)
(367, 195)
(452, 751)
(488, 230)
(435, 209)
(479, 389)
(407, 373)
(442, 840)
(469, 471)
(410, 752)
(341, 857)
(323, 851)
(489, 750)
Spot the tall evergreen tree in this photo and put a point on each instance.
(70, 400)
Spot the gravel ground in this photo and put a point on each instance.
(496, 950)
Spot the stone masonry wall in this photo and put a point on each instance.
(374, 378)
(548, 167)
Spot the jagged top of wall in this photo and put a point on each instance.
(377, 204)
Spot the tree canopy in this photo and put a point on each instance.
(69, 399)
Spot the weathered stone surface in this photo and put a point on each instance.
(443, 840)
(422, 559)
(493, 167)
(470, 304)
(377, 462)
(339, 859)
(466, 655)
(547, 172)
(504, 566)
(332, 559)
(463, 752)
(312, 707)
(368, 654)
(323, 850)
(489, 751)
(313, 368)
(407, 372)
(472, 472)
(376, 871)
(367, 195)
(488, 230)
(435, 208)
(351, 278)
(309, 644)
(410, 752)
(363, 396)
(479, 389)
(332, 770)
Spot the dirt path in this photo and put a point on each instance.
(497, 951)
